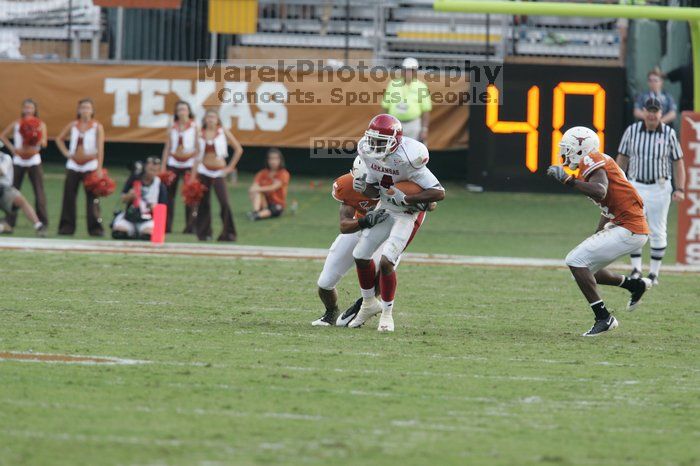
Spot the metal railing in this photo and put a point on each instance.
(50, 29)
(436, 38)
(567, 37)
(383, 30)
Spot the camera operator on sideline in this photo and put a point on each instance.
(142, 191)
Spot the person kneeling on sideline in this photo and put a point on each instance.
(10, 197)
(142, 191)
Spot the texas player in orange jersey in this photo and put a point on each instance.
(356, 214)
(621, 230)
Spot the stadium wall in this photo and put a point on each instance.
(263, 105)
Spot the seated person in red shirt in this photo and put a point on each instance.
(268, 193)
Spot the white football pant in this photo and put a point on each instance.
(340, 260)
(395, 233)
(604, 247)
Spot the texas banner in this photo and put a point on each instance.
(135, 102)
(689, 210)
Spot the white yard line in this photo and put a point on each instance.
(52, 358)
(334, 353)
(84, 360)
(273, 252)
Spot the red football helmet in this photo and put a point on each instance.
(383, 136)
(30, 129)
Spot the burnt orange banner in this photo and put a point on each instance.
(135, 102)
(688, 251)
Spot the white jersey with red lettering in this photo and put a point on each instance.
(407, 163)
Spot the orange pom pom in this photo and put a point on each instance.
(99, 186)
(193, 190)
(30, 129)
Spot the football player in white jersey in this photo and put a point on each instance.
(389, 158)
(356, 214)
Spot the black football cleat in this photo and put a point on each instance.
(643, 284)
(346, 317)
(654, 278)
(326, 320)
(635, 273)
(601, 326)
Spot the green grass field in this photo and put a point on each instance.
(489, 224)
(486, 368)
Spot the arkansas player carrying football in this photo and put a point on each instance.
(390, 158)
(622, 227)
(356, 214)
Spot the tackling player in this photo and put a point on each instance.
(621, 230)
(389, 158)
(355, 215)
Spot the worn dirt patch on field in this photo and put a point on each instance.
(64, 358)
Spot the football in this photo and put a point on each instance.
(407, 187)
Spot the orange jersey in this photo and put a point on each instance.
(622, 204)
(266, 178)
(343, 192)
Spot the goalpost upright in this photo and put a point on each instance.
(692, 15)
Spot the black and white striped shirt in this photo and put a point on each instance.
(650, 152)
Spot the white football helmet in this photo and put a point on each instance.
(358, 168)
(577, 143)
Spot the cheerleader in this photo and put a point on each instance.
(26, 156)
(179, 154)
(212, 170)
(84, 154)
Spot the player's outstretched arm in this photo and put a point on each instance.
(348, 222)
(429, 195)
(596, 187)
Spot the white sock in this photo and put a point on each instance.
(38, 225)
(387, 307)
(636, 260)
(657, 255)
(367, 293)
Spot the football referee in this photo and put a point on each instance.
(650, 154)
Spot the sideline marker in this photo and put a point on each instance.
(160, 212)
